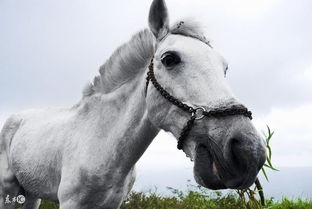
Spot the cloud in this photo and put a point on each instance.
(307, 74)
(292, 139)
(162, 154)
(50, 50)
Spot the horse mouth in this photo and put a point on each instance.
(211, 174)
(206, 172)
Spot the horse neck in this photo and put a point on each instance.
(123, 121)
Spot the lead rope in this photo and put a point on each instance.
(196, 113)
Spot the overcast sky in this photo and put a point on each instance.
(50, 49)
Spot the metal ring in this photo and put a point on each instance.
(199, 113)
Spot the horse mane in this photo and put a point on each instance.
(133, 56)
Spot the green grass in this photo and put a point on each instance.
(207, 200)
(195, 198)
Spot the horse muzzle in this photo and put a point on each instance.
(230, 158)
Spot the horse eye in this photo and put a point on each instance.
(170, 59)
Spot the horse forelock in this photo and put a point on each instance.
(133, 56)
(190, 28)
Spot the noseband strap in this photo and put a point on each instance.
(197, 113)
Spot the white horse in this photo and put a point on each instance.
(84, 157)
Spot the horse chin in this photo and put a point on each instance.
(205, 170)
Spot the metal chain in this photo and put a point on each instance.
(220, 112)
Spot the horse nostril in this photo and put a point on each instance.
(236, 153)
(245, 154)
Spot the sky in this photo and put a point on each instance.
(50, 49)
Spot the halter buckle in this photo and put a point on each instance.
(199, 113)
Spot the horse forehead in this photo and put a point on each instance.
(182, 43)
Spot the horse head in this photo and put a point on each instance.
(189, 87)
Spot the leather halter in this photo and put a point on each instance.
(197, 113)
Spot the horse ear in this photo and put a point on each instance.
(158, 19)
